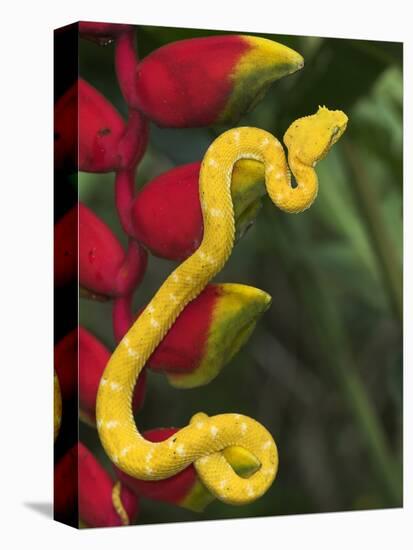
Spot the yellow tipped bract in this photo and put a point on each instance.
(263, 62)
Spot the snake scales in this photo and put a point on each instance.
(203, 441)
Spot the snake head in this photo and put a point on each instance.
(311, 137)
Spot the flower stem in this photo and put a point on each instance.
(369, 204)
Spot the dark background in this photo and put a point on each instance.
(323, 369)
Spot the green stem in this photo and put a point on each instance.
(373, 435)
(369, 204)
(335, 349)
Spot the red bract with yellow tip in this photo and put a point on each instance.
(97, 506)
(207, 334)
(93, 356)
(183, 489)
(213, 80)
(167, 216)
(104, 267)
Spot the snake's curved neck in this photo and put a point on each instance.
(294, 199)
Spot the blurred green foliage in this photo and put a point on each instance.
(323, 370)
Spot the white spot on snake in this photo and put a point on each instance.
(171, 444)
(210, 260)
(212, 162)
(200, 425)
(235, 133)
(99, 423)
(175, 277)
(151, 309)
(103, 382)
(222, 484)
(279, 175)
(202, 254)
(267, 445)
(148, 470)
(115, 386)
(154, 323)
(268, 472)
(265, 142)
(132, 352)
(188, 279)
(214, 430)
(115, 459)
(124, 451)
(237, 416)
(126, 341)
(149, 456)
(111, 424)
(216, 212)
(244, 427)
(203, 460)
(269, 168)
(250, 491)
(173, 298)
(180, 450)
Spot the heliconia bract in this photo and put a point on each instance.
(104, 267)
(167, 216)
(211, 80)
(206, 335)
(101, 503)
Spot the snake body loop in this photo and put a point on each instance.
(204, 439)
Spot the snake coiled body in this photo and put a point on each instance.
(204, 439)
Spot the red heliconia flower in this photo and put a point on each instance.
(65, 487)
(65, 248)
(185, 489)
(167, 216)
(93, 357)
(100, 129)
(102, 503)
(106, 142)
(65, 362)
(207, 334)
(102, 33)
(212, 80)
(104, 267)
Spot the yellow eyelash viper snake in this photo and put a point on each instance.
(202, 442)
